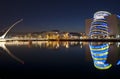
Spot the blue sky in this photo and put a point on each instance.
(44, 15)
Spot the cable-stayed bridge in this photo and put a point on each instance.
(2, 38)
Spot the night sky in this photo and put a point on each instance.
(45, 15)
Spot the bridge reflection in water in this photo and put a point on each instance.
(99, 50)
(31, 44)
(3, 46)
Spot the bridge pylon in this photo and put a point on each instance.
(3, 36)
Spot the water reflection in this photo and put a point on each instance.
(3, 46)
(99, 52)
(32, 44)
(47, 44)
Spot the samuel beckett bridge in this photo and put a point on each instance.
(2, 38)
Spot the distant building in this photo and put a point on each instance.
(74, 35)
(88, 25)
(113, 23)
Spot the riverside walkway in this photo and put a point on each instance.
(41, 39)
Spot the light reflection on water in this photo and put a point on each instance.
(102, 55)
(46, 44)
(3, 46)
(99, 52)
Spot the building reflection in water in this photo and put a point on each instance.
(41, 44)
(56, 44)
(99, 53)
(99, 50)
(45, 44)
(3, 46)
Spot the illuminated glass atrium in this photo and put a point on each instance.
(99, 27)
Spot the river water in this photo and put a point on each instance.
(54, 59)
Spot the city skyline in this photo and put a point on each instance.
(45, 15)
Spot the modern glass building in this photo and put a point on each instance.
(99, 27)
(95, 27)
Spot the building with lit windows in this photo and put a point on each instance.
(102, 25)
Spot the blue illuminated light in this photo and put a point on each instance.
(118, 63)
(99, 53)
(99, 26)
(118, 16)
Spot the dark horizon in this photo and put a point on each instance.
(45, 15)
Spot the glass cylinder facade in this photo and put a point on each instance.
(99, 26)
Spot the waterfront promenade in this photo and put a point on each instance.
(39, 39)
